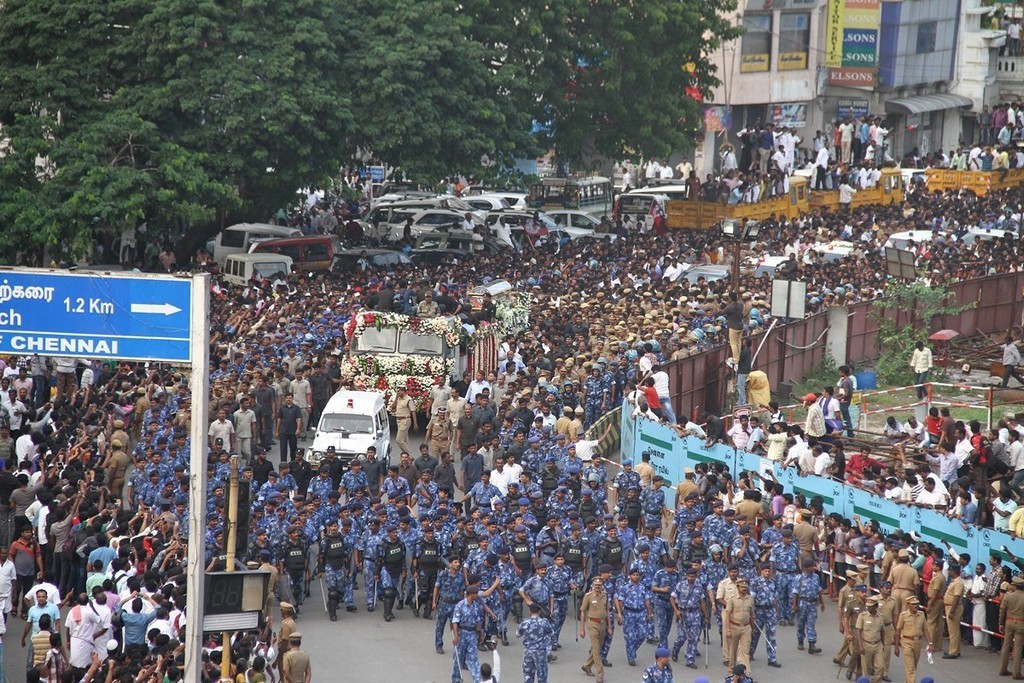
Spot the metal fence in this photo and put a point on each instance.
(700, 381)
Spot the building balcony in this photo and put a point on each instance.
(1010, 76)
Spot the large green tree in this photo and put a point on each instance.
(174, 112)
(195, 112)
(425, 95)
(608, 78)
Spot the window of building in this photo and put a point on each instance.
(926, 36)
(794, 40)
(756, 44)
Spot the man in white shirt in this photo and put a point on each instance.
(822, 463)
(846, 140)
(499, 475)
(931, 496)
(914, 428)
(222, 429)
(1015, 451)
(477, 386)
(664, 393)
(52, 592)
(82, 622)
(821, 169)
(8, 576)
(103, 633)
(780, 161)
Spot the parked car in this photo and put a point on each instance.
(239, 238)
(430, 220)
(347, 260)
(312, 253)
(574, 219)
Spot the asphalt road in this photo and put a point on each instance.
(363, 647)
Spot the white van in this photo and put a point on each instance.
(239, 268)
(352, 421)
(239, 238)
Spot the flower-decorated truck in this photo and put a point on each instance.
(387, 350)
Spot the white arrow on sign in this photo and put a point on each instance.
(166, 309)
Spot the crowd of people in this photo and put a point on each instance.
(506, 500)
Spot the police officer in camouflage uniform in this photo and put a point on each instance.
(633, 604)
(538, 638)
(391, 570)
(426, 564)
(368, 544)
(334, 565)
(785, 560)
(665, 581)
(807, 598)
(691, 611)
(765, 591)
(295, 565)
(450, 586)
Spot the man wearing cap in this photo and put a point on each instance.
(934, 609)
(296, 667)
(953, 608)
(766, 609)
(335, 563)
(538, 637)
(633, 605)
(738, 621)
(652, 500)
(691, 613)
(294, 564)
(905, 579)
(661, 670)
(575, 432)
(814, 425)
(785, 560)
(662, 585)
(283, 633)
(595, 396)
(448, 590)
(887, 610)
(595, 623)
(391, 569)
(467, 625)
(911, 638)
(807, 598)
(868, 632)
(738, 674)
(116, 464)
(855, 606)
(1011, 624)
(403, 409)
(624, 479)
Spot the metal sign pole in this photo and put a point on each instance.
(195, 578)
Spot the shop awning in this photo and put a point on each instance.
(920, 104)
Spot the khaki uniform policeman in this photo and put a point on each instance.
(738, 620)
(887, 608)
(910, 638)
(594, 621)
(905, 580)
(1011, 623)
(868, 630)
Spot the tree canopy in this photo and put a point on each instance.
(178, 113)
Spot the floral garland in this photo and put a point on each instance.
(405, 364)
(439, 326)
(512, 316)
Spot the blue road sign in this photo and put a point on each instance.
(85, 315)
